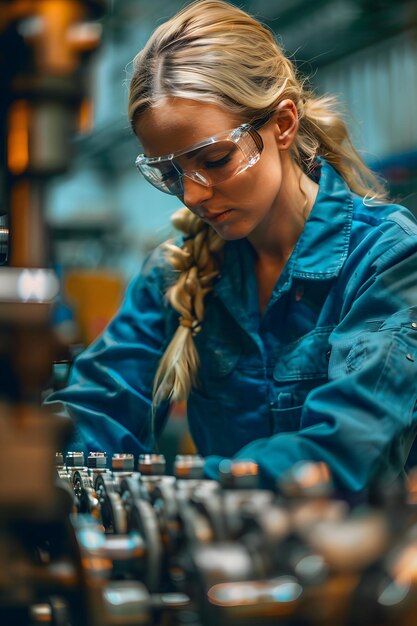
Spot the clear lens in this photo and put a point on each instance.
(223, 160)
(210, 163)
(216, 163)
(164, 176)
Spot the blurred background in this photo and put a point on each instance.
(104, 218)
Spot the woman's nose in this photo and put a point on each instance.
(195, 193)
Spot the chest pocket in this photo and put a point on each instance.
(300, 367)
(218, 354)
(219, 359)
(305, 359)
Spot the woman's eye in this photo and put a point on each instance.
(218, 162)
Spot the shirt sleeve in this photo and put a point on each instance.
(109, 393)
(362, 422)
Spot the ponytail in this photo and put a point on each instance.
(323, 132)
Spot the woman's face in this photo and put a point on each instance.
(243, 206)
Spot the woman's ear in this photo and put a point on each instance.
(286, 118)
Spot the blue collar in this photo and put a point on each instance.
(324, 243)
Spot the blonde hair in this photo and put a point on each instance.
(213, 52)
(197, 262)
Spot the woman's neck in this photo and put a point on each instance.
(276, 239)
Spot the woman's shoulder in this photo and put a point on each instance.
(384, 214)
(384, 232)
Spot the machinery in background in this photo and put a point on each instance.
(44, 50)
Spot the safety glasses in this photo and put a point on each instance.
(209, 162)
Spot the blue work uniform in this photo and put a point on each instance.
(328, 372)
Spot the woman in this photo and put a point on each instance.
(286, 314)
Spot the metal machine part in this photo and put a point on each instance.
(44, 50)
(242, 556)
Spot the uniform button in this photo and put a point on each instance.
(414, 325)
(409, 356)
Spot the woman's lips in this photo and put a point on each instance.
(217, 217)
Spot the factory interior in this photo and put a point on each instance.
(99, 541)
